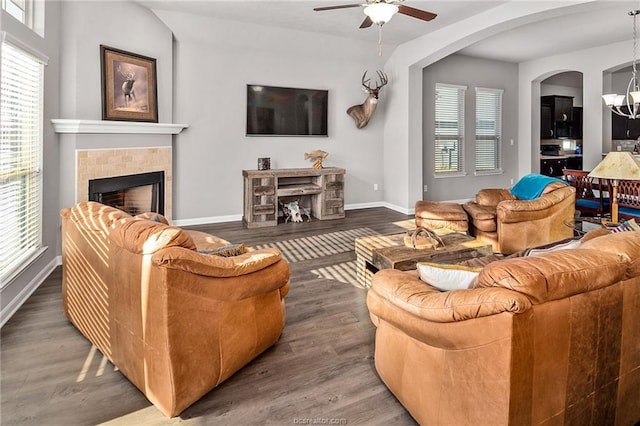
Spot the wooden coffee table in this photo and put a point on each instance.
(377, 252)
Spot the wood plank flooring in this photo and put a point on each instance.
(321, 369)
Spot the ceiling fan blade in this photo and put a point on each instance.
(416, 13)
(366, 23)
(344, 6)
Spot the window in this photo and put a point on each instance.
(20, 9)
(21, 100)
(449, 137)
(488, 131)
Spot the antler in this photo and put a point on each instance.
(383, 81)
(365, 84)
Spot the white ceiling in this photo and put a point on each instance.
(597, 24)
(600, 22)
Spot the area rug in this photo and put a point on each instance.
(299, 249)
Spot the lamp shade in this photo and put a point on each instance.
(609, 99)
(617, 165)
(380, 13)
(612, 99)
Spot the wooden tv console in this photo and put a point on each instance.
(263, 188)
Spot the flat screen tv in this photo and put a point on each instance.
(285, 111)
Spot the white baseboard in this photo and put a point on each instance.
(363, 205)
(207, 220)
(399, 209)
(379, 204)
(28, 290)
(461, 201)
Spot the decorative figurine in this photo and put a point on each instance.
(316, 155)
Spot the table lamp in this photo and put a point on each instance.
(617, 166)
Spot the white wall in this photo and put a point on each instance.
(214, 61)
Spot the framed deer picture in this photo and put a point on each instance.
(129, 86)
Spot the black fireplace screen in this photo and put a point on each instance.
(133, 194)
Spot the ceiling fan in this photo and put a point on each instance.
(381, 11)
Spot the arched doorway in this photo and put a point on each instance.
(561, 122)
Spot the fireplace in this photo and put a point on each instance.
(134, 194)
(97, 164)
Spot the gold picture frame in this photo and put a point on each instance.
(129, 86)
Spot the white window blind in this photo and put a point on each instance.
(449, 129)
(488, 130)
(21, 109)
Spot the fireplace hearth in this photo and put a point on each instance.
(134, 194)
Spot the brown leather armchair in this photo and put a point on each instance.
(176, 320)
(511, 225)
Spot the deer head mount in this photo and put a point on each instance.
(362, 113)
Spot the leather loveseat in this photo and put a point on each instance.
(511, 224)
(551, 339)
(175, 321)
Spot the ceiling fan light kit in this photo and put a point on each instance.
(380, 13)
(632, 98)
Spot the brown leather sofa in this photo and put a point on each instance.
(511, 225)
(175, 321)
(552, 339)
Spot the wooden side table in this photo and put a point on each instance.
(377, 252)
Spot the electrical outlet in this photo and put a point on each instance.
(511, 181)
(511, 142)
(426, 188)
(375, 186)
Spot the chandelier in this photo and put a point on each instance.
(632, 98)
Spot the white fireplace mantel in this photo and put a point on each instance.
(61, 125)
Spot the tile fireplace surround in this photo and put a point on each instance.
(93, 149)
(97, 164)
